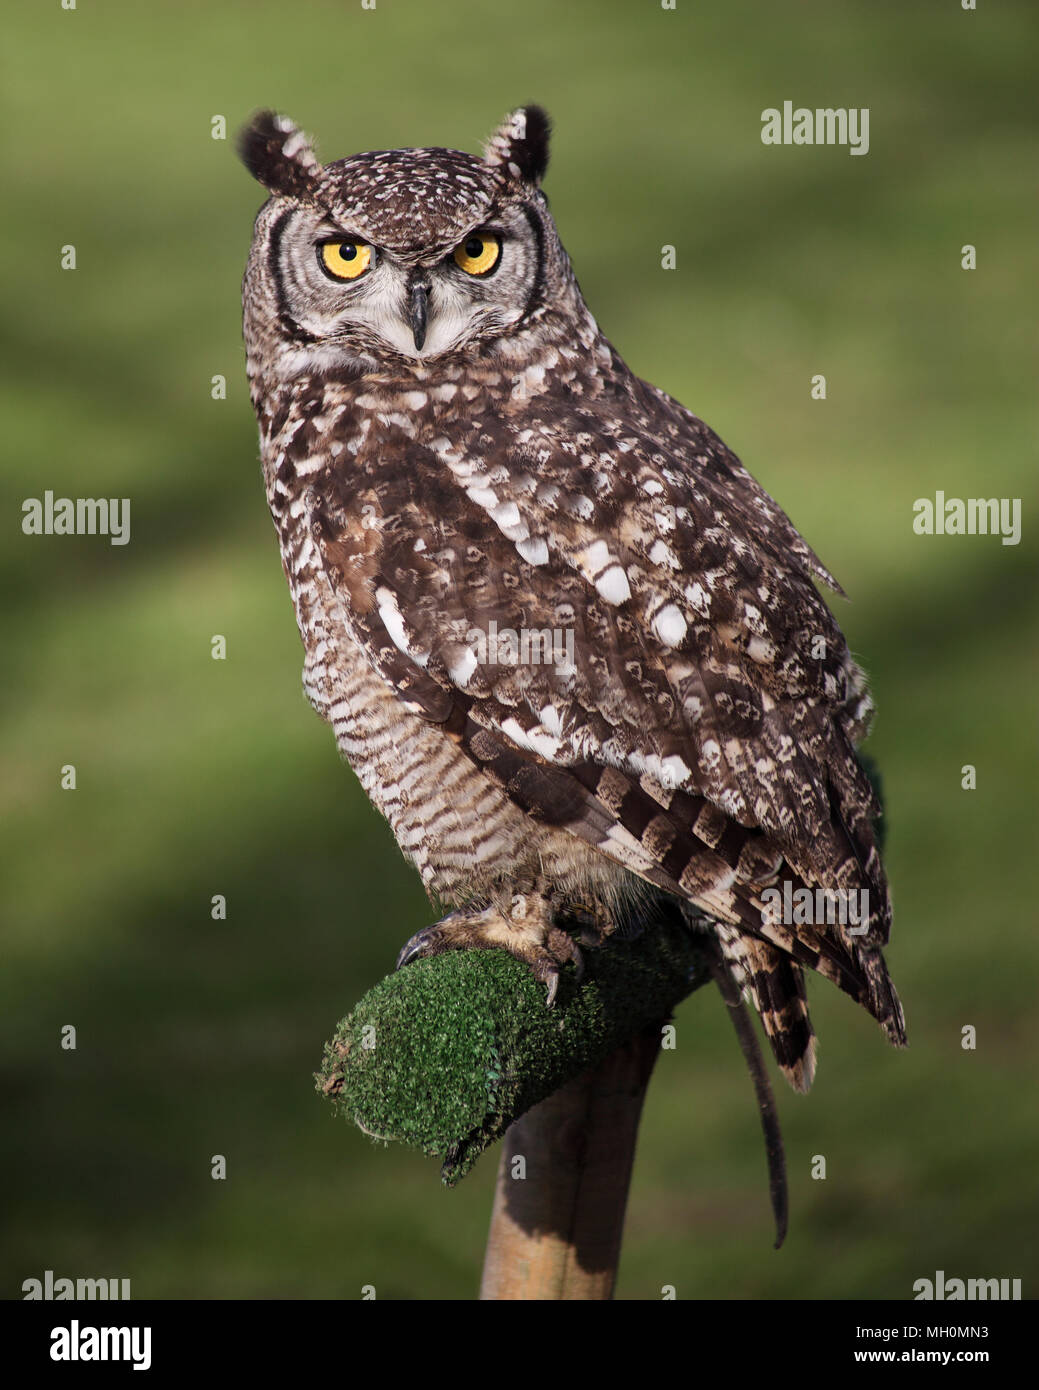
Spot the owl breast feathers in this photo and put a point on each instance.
(573, 651)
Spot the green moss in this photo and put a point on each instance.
(446, 1053)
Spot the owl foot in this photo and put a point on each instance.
(526, 932)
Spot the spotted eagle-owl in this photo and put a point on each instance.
(456, 461)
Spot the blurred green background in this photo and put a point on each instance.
(198, 777)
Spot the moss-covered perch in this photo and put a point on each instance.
(448, 1053)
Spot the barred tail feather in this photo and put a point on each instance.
(775, 986)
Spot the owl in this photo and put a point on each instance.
(573, 652)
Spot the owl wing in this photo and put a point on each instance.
(696, 718)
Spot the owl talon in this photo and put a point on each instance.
(562, 948)
(546, 962)
(423, 943)
(486, 930)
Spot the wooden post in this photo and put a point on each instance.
(556, 1231)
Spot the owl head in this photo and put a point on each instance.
(399, 257)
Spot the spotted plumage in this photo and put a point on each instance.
(453, 451)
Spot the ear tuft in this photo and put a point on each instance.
(519, 146)
(279, 155)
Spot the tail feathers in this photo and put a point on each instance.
(883, 1002)
(860, 971)
(770, 974)
(775, 985)
(780, 998)
(855, 966)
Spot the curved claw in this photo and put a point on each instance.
(560, 948)
(423, 943)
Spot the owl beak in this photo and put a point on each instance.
(418, 308)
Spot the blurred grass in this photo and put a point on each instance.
(198, 777)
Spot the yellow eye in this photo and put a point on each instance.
(345, 260)
(478, 253)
